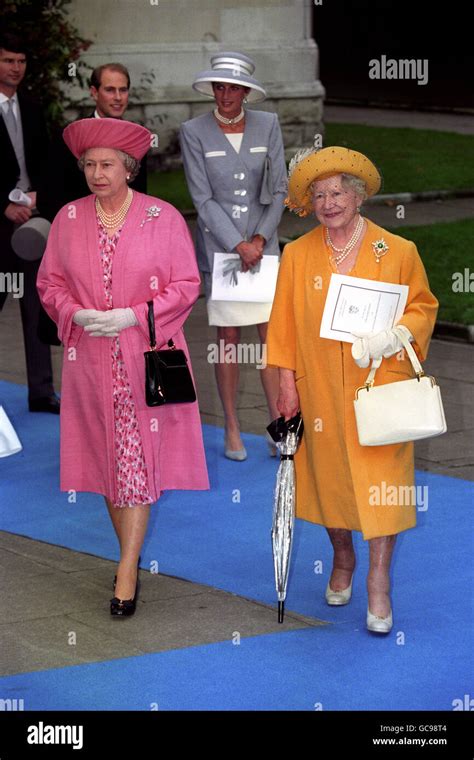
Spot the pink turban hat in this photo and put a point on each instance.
(117, 134)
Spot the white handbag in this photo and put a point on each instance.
(407, 410)
(9, 441)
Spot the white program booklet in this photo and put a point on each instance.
(356, 305)
(230, 284)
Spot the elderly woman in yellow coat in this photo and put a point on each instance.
(335, 474)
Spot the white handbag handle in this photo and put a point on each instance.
(411, 355)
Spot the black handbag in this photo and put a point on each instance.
(167, 376)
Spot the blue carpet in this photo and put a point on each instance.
(222, 538)
(298, 670)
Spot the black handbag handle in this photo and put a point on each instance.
(151, 325)
(151, 328)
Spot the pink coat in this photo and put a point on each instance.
(156, 261)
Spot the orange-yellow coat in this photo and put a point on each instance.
(335, 475)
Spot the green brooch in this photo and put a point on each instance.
(380, 249)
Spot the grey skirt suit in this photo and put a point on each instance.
(236, 195)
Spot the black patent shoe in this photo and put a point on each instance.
(124, 607)
(45, 404)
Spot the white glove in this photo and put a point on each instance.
(384, 344)
(85, 317)
(108, 324)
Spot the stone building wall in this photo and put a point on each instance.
(164, 43)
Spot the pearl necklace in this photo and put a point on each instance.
(225, 120)
(110, 221)
(344, 252)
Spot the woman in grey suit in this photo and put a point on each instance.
(235, 168)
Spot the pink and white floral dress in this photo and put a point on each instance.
(130, 466)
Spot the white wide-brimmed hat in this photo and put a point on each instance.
(234, 68)
(29, 240)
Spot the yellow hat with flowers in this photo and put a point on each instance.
(310, 164)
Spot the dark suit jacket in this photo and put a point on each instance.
(66, 182)
(36, 143)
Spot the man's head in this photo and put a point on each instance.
(12, 63)
(110, 84)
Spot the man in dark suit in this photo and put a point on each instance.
(23, 145)
(109, 88)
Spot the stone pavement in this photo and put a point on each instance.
(462, 123)
(51, 591)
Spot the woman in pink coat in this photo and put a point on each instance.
(107, 255)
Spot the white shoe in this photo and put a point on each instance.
(378, 624)
(237, 456)
(338, 598)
